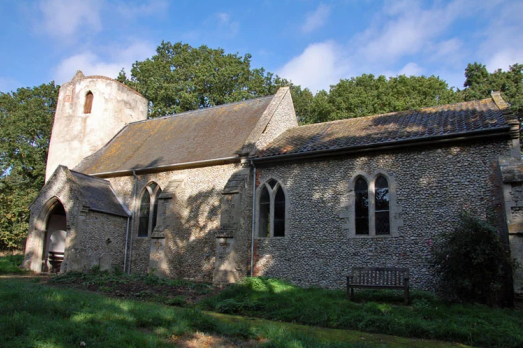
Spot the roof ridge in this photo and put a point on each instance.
(202, 109)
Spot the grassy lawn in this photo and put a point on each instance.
(375, 311)
(36, 315)
(9, 264)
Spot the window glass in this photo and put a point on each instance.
(265, 211)
(145, 206)
(362, 206)
(155, 209)
(279, 213)
(382, 206)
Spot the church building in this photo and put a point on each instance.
(235, 190)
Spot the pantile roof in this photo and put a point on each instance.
(207, 134)
(442, 121)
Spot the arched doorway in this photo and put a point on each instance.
(55, 234)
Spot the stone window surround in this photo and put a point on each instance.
(154, 196)
(348, 213)
(272, 193)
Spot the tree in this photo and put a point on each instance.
(480, 83)
(369, 95)
(26, 118)
(181, 78)
(472, 262)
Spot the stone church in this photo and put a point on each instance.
(221, 193)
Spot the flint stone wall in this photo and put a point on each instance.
(88, 232)
(433, 184)
(99, 243)
(193, 218)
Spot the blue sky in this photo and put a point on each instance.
(313, 43)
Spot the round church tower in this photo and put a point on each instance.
(90, 112)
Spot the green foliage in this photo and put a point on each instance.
(374, 311)
(471, 261)
(26, 118)
(9, 264)
(369, 95)
(34, 315)
(181, 78)
(480, 83)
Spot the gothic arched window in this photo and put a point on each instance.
(271, 210)
(148, 211)
(88, 102)
(361, 206)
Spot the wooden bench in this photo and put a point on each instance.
(378, 278)
(55, 259)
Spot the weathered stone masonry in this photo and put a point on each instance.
(191, 217)
(433, 183)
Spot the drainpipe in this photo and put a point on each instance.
(253, 215)
(132, 226)
(126, 243)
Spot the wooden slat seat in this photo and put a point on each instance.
(55, 259)
(378, 278)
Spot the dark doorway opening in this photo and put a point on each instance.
(55, 234)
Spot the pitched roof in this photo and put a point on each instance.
(99, 194)
(390, 129)
(207, 134)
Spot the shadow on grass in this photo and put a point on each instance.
(34, 315)
(377, 311)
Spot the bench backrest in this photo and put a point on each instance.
(385, 276)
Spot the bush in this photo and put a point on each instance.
(471, 261)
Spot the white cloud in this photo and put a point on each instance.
(503, 45)
(227, 25)
(318, 67)
(92, 64)
(404, 28)
(411, 69)
(316, 19)
(65, 18)
(505, 58)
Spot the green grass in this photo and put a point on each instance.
(9, 264)
(374, 311)
(35, 315)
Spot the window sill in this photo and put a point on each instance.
(366, 236)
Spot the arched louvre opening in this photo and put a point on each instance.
(361, 190)
(88, 102)
(382, 212)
